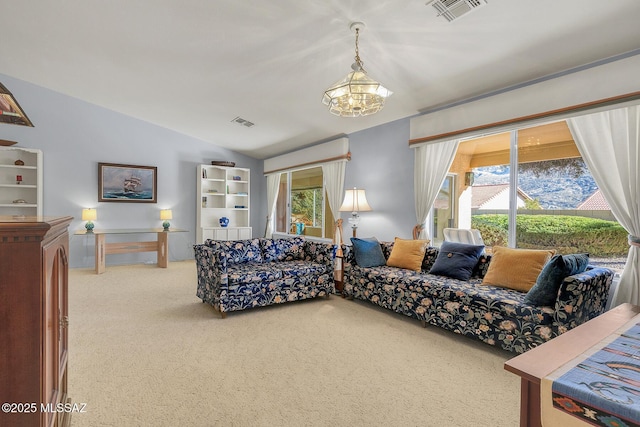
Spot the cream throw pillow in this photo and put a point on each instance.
(516, 268)
(408, 254)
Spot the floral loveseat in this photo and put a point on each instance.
(494, 315)
(241, 274)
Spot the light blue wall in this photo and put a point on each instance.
(75, 136)
(382, 164)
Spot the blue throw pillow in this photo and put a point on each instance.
(456, 260)
(368, 252)
(545, 291)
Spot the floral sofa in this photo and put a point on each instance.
(494, 315)
(241, 274)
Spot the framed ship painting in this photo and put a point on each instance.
(127, 183)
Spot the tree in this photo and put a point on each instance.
(306, 206)
(532, 204)
(574, 166)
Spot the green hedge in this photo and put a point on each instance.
(566, 234)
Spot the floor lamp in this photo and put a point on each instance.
(355, 201)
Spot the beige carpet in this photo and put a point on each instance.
(144, 351)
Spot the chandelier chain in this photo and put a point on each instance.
(357, 58)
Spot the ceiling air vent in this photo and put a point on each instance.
(243, 122)
(453, 9)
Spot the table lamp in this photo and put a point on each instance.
(89, 215)
(355, 201)
(166, 215)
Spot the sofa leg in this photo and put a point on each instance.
(424, 323)
(223, 315)
(327, 296)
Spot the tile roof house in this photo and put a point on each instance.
(595, 202)
(494, 196)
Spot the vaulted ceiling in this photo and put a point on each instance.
(196, 65)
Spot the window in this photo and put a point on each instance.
(302, 207)
(306, 206)
(530, 188)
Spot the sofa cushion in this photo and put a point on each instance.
(408, 254)
(253, 273)
(463, 298)
(516, 268)
(456, 260)
(545, 291)
(368, 252)
(292, 269)
(482, 266)
(400, 287)
(276, 250)
(430, 257)
(240, 251)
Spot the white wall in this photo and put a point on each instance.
(75, 136)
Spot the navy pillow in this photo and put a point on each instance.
(368, 252)
(456, 260)
(545, 291)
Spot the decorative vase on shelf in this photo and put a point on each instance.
(224, 221)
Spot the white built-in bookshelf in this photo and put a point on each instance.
(223, 192)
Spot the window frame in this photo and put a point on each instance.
(289, 178)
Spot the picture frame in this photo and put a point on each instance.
(127, 183)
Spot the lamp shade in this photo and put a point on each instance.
(166, 214)
(355, 201)
(89, 214)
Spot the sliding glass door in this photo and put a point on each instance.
(530, 188)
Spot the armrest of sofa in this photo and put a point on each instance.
(212, 273)
(582, 297)
(322, 253)
(348, 256)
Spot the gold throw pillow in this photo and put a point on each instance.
(516, 268)
(408, 254)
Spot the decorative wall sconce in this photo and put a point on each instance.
(10, 110)
(166, 215)
(355, 201)
(89, 215)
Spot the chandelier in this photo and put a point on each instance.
(357, 94)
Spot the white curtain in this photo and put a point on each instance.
(609, 144)
(273, 186)
(333, 174)
(432, 162)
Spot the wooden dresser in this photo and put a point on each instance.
(33, 320)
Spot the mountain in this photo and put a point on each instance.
(554, 190)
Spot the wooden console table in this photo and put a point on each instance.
(161, 245)
(538, 363)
